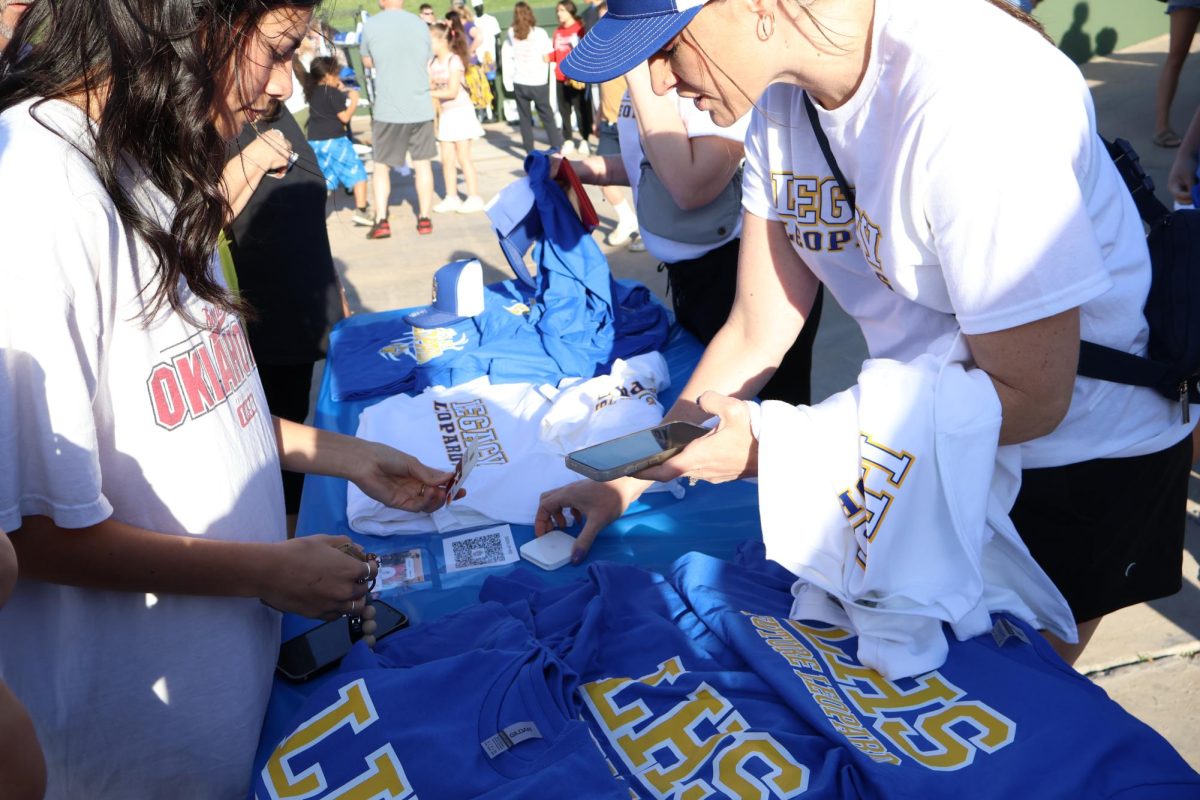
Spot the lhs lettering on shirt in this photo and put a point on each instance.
(468, 422)
(382, 777)
(206, 375)
(927, 720)
(687, 747)
(866, 505)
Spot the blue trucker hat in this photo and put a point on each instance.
(515, 219)
(631, 32)
(457, 294)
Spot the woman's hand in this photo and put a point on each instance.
(596, 503)
(1182, 176)
(270, 152)
(398, 480)
(728, 453)
(311, 577)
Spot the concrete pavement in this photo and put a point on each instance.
(1146, 656)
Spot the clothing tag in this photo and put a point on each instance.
(514, 734)
(1004, 630)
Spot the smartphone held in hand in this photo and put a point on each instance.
(634, 452)
(322, 647)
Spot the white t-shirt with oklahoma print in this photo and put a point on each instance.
(163, 426)
(985, 201)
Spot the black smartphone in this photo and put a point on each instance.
(322, 647)
(633, 452)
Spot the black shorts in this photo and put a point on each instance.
(1108, 532)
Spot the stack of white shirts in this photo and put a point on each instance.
(521, 431)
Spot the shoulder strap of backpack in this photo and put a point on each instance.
(823, 142)
(1140, 185)
(1108, 364)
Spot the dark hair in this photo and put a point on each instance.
(523, 20)
(165, 65)
(571, 8)
(425, 6)
(455, 35)
(321, 67)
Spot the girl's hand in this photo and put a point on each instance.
(398, 480)
(729, 452)
(311, 577)
(270, 152)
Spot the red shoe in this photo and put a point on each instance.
(380, 230)
(424, 226)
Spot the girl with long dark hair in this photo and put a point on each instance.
(139, 470)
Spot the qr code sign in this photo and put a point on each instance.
(487, 548)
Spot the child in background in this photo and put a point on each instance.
(331, 105)
(457, 124)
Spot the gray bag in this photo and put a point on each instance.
(711, 224)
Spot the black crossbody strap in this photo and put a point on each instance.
(823, 141)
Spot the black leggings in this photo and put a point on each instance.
(574, 100)
(538, 97)
(702, 291)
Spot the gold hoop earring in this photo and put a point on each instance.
(766, 27)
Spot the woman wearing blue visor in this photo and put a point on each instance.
(980, 203)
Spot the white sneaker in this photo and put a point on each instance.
(452, 203)
(637, 245)
(568, 148)
(622, 234)
(473, 204)
(584, 149)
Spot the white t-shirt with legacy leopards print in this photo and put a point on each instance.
(985, 200)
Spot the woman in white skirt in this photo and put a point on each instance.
(457, 124)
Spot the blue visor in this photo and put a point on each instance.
(631, 32)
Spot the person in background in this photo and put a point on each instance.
(22, 765)
(572, 95)
(488, 28)
(427, 15)
(695, 160)
(139, 479)
(396, 45)
(457, 125)
(466, 15)
(330, 107)
(527, 50)
(609, 144)
(279, 246)
(1185, 17)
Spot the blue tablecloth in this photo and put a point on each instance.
(711, 519)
